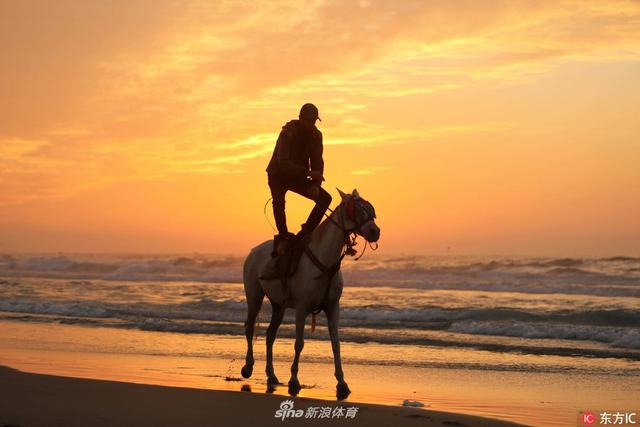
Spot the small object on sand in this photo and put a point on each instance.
(413, 403)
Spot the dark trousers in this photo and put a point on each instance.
(279, 188)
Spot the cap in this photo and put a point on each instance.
(309, 110)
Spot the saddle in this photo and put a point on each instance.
(285, 265)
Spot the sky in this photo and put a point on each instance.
(493, 127)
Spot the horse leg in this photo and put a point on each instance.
(277, 313)
(333, 317)
(254, 302)
(301, 317)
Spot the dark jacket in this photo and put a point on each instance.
(296, 153)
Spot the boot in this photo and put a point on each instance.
(281, 243)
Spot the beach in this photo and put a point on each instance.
(45, 400)
(534, 342)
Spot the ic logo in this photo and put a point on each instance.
(588, 418)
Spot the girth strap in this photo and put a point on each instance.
(330, 271)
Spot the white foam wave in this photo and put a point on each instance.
(617, 337)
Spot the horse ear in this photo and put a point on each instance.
(343, 195)
(355, 193)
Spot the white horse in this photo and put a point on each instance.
(310, 289)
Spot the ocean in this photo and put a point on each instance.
(588, 307)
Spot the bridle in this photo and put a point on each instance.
(359, 211)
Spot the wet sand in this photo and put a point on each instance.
(547, 393)
(28, 399)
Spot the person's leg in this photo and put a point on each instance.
(278, 191)
(315, 217)
(322, 199)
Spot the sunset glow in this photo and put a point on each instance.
(481, 127)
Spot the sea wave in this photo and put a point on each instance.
(617, 337)
(617, 327)
(613, 276)
(381, 317)
(377, 315)
(627, 348)
(130, 267)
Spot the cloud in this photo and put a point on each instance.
(371, 170)
(99, 92)
(51, 53)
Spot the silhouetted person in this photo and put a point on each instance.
(297, 165)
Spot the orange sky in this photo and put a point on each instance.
(488, 127)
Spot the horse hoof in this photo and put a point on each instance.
(273, 381)
(342, 391)
(246, 371)
(294, 387)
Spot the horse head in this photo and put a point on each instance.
(359, 216)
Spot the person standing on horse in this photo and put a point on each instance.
(297, 165)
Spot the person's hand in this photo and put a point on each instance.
(316, 176)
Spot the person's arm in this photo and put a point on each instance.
(283, 154)
(317, 163)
